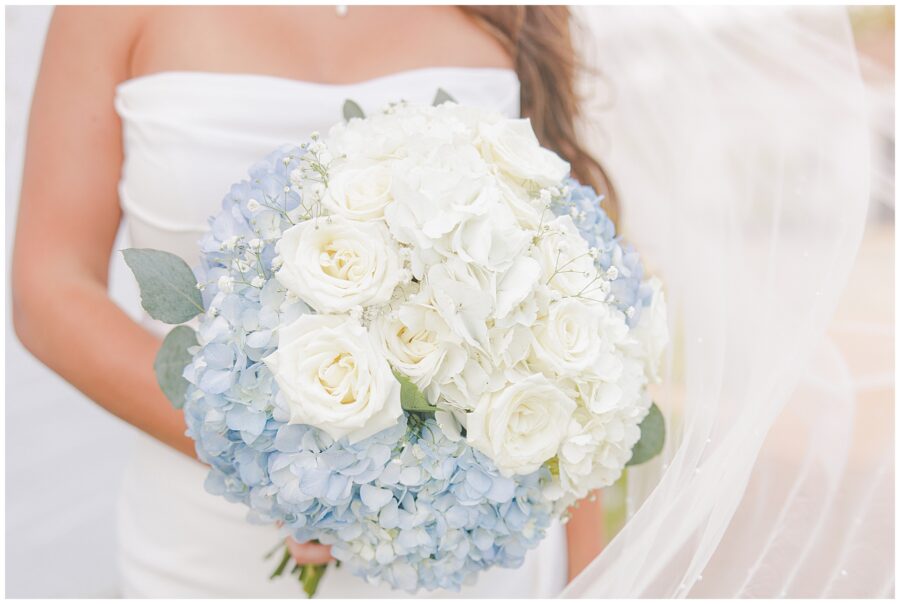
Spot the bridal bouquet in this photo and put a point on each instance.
(418, 342)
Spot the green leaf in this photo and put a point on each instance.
(168, 286)
(441, 97)
(352, 110)
(653, 435)
(411, 398)
(170, 362)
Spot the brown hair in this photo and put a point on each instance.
(539, 39)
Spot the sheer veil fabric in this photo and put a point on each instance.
(739, 144)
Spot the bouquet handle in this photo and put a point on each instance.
(309, 575)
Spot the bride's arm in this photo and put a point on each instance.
(584, 534)
(68, 218)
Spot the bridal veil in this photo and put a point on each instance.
(739, 144)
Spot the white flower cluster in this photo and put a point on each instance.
(435, 246)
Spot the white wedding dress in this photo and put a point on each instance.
(187, 137)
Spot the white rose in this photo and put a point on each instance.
(568, 342)
(334, 264)
(522, 425)
(359, 191)
(566, 264)
(514, 148)
(419, 343)
(332, 377)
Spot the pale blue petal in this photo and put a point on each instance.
(375, 498)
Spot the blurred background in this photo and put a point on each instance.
(62, 480)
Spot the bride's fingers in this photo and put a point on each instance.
(309, 553)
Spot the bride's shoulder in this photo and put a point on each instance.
(116, 24)
(91, 44)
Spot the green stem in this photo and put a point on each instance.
(285, 558)
(310, 575)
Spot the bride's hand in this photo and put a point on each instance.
(309, 553)
(584, 534)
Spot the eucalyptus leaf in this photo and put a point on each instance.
(411, 398)
(170, 362)
(168, 286)
(441, 97)
(352, 110)
(653, 436)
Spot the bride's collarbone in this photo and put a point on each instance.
(312, 44)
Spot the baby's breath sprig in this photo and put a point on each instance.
(561, 269)
(545, 199)
(311, 178)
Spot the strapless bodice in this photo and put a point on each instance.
(189, 135)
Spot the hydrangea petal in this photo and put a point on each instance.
(375, 498)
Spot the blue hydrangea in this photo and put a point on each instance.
(409, 505)
(628, 291)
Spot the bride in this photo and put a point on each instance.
(739, 140)
(148, 114)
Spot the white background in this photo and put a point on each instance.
(64, 455)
